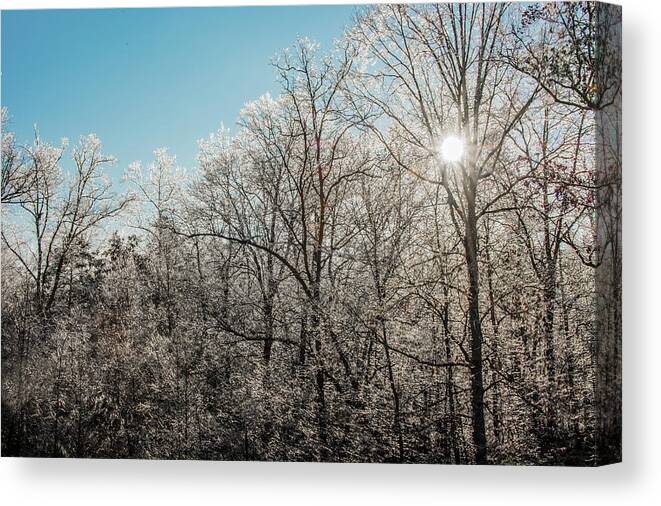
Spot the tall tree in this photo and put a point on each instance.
(438, 74)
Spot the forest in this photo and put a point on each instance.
(410, 253)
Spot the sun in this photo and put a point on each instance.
(452, 149)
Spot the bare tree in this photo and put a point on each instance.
(573, 50)
(438, 74)
(61, 210)
(16, 177)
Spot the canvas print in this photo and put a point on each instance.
(373, 233)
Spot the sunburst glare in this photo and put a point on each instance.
(452, 149)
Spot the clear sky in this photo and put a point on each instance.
(147, 78)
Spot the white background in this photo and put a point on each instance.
(635, 482)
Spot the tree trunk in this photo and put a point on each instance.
(397, 422)
(477, 384)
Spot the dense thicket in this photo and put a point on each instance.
(327, 284)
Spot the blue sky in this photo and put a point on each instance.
(147, 78)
